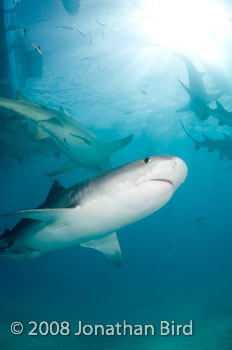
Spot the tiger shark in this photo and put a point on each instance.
(79, 144)
(196, 84)
(91, 212)
(198, 106)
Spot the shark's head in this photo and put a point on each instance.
(144, 186)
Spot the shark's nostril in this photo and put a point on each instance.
(174, 164)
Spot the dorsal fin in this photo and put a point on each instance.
(56, 188)
(63, 110)
(20, 96)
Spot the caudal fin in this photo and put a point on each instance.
(117, 145)
(4, 241)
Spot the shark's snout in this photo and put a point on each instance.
(180, 172)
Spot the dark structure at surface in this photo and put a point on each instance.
(6, 88)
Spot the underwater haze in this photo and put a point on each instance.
(162, 71)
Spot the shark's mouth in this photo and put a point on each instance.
(164, 180)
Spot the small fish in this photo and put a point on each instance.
(143, 91)
(129, 112)
(83, 59)
(133, 265)
(200, 219)
(170, 247)
(36, 47)
(81, 33)
(169, 250)
(100, 23)
(67, 28)
(100, 68)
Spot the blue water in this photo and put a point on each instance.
(175, 266)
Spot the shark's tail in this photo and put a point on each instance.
(196, 142)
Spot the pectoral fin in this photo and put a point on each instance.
(68, 166)
(40, 134)
(107, 245)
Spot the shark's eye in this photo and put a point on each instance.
(147, 160)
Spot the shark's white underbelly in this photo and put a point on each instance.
(80, 225)
(94, 219)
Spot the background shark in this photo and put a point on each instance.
(79, 144)
(89, 213)
(221, 114)
(196, 85)
(223, 146)
(197, 105)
